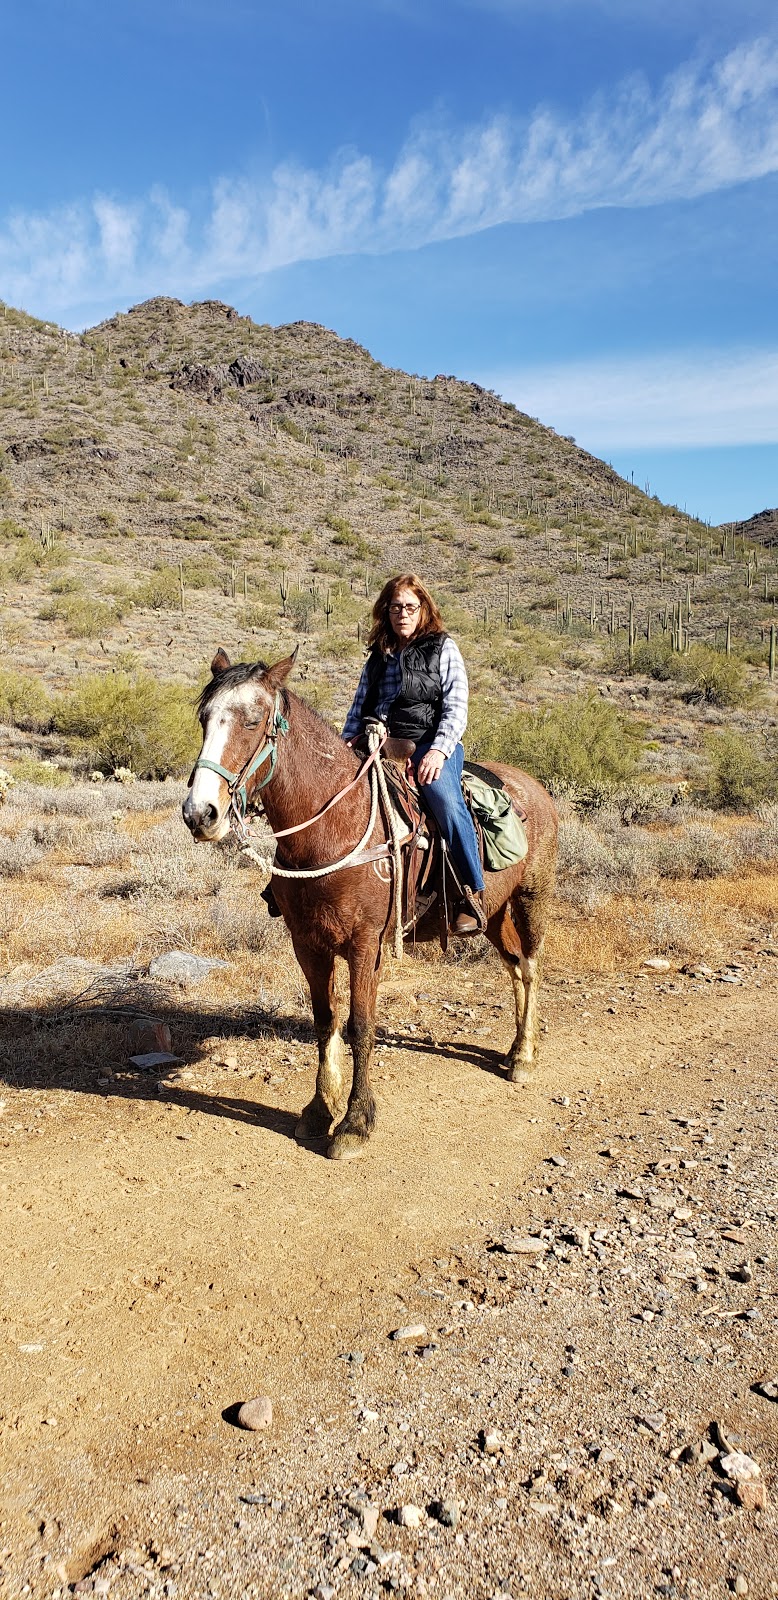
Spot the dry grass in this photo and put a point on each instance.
(118, 883)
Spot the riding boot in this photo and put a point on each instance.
(469, 917)
(269, 898)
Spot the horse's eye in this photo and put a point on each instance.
(251, 724)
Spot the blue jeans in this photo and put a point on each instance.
(443, 799)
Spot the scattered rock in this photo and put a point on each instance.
(740, 1584)
(515, 1244)
(657, 963)
(413, 1330)
(445, 1512)
(751, 1494)
(768, 1387)
(491, 1442)
(739, 1467)
(359, 1537)
(411, 1516)
(256, 1415)
(699, 1454)
(179, 966)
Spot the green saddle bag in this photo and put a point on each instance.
(505, 841)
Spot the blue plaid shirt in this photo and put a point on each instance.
(453, 717)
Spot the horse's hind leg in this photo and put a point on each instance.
(521, 947)
(355, 1129)
(327, 1104)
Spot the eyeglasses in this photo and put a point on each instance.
(397, 608)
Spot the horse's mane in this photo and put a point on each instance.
(231, 678)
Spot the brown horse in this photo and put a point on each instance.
(258, 736)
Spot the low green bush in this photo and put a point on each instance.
(124, 719)
(24, 702)
(716, 679)
(742, 771)
(581, 744)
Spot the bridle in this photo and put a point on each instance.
(238, 785)
(238, 782)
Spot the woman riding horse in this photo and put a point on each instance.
(414, 681)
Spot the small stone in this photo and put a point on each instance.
(256, 1415)
(653, 1420)
(557, 1161)
(413, 1330)
(324, 1591)
(743, 1273)
(179, 966)
(740, 1584)
(740, 1467)
(410, 1516)
(657, 964)
(491, 1442)
(700, 1453)
(516, 1245)
(752, 1494)
(658, 1501)
(446, 1512)
(768, 1387)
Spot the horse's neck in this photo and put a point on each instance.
(313, 765)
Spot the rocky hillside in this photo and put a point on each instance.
(179, 476)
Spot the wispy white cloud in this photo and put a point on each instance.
(706, 128)
(678, 400)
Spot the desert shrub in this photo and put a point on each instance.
(569, 746)
(742, 771)
(160, 592)
(338, 646)
(716, 679)
(41, 774)
(19, 854)
(130, 720)
(696, 852)
(24, 703)
(759, 841)
(670, 928)
(655, 658)
(83, 617)
(594, 865)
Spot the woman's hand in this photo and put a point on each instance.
(430, 766)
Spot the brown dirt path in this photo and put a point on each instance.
(165, 1256)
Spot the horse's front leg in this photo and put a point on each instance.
(355, 1129)
(329, 1100)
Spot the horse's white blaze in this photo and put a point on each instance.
(208, 789)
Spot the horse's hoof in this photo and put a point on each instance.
(521, 1072)
(314, 1124)
(346, 1147)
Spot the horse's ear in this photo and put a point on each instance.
(277, 675)
(220, 662)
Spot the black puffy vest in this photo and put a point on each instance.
(415, 713)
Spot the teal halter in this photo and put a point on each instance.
(238, 782)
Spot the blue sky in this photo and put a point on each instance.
(574, 202)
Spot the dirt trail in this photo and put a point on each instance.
(167, 1254)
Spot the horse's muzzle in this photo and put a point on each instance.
(202, 819)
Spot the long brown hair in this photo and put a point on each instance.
(430, 620)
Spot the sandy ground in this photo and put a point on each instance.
(169, 1253)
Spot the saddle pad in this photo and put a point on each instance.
(484, 773)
